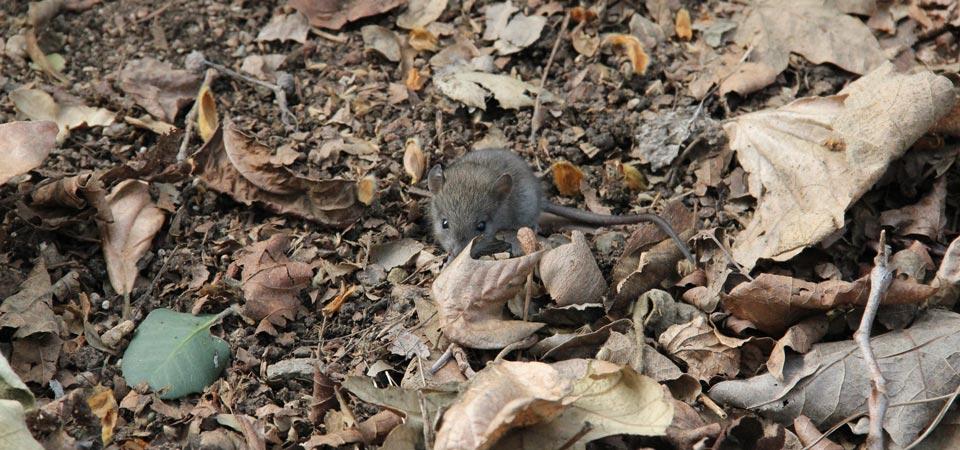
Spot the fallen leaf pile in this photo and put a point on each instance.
(216, 224)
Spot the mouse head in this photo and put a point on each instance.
(465, 205)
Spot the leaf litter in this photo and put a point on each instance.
(294, 254)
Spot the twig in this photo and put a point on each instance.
(534, 120)
(936, 421)
(713, 406)
(279, 95)
(427, 429)
(443, 360)
(524, 343)
(580, 434)
(191, 118)
(880, 278)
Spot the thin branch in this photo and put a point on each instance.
(285, 115)
(880, 278)
(535, 119)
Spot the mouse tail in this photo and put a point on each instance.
(589, 218)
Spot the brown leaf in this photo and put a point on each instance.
(334, 14)
(570, 273)
(24, 146)
(271, 281)
(682, 25)
(423, 40)
(584, 43)
(103, 405)
(948, 277)
(775, 302)
(264, 67)
(414, 160)
(706, 352)
(415, 79)
(800, 338)
(207, 119)
(135, 221)
(421, 13)
(382, 40)
(639, 61)
(334, 305)
(290, 27)
(471, 294)
(29, 311)
(566, 177)
(235, 164)
(158, 87)
(367, 189)
(950, 123)
(924, 218)
(804, 186)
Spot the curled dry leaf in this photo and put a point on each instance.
(471, 294)
(414, 160)
(473, 88)
(831, 381)
(682, 25)
(136, 219)
(924, 218)
(423, 40)
(421, 13)
(803, 186)
(289, 27)
(947, 280)
(37, 105)
(521, 32)
(237, 165)
(367, 189)
(632, 178)
(800, 338)
(334, 14)
(207, 119)
(382, 40)
(104, 405)
(264, 67)
(158, 87)
(415, 79)
(566, 177)
(775, 302)
(30, 311)
(271, 281)
(584, 43)
(706, 352)
(570, 273)
(40, 59)
(639, 61)
(24, 146)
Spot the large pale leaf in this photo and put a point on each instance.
(41, 106)
(125, 240)
(12, 387)
(13, 427)
(831, 382)
(176, 353)
(809, 160)
(473, 88)
(24, 146)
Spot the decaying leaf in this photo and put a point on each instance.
(158, 87)
(104, 405)
(925, 218)
(800, 338)
(235, 164)
(24, 146)
(706, 351)
(289, 27)
(37, 105)
(947, 280)
(382, 40)
(773, 303)
(136, 219)
(471, 294)
(831, 381)
(566, 177)
(149, 123)
(420, 13)
(207, 119)
(29, 311)
(271, 281)
(803, 186)
(473, 88)
(414, 160)
(639, 61)
(570, 273)
(334, 14)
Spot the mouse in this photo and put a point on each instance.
(489, 190)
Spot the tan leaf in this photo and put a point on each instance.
(271, 281)
(584, 43)
(682, 25)
(382, 40)
(423, 40)
(37, 105)
(414, 160)
(334, 305)
(24, 146)
(415, 79)
(367, 189)
(950, 123)
(706, 352)
(39, 58)
(566, 177)
(149, 123)
(924, 218)
(802, 186)
(472, 89)
(773, 303)
(158, 87)
(207, 119)
(125, 240)
(639, 61)
(103, 405)
(948, 277)
(521, 32)
(570, 273)
(471, 294)
(264, 67)
(290, 27)
(334, 14)
(632, 178)
(235, 164)
(420, 13)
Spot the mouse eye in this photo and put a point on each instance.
(481, 225)
(444, 224)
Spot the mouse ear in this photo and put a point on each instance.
(435, 179)
(503, 186)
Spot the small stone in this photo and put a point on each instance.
(289, 368)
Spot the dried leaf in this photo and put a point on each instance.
(415, 80)
(382, 40)
(149, 123)
(289, 27)
(473, 88)
(103, 405)
(334, 305)
(37, 105)
(423, 40)
(420, 13)
(271, 281)
(639, 61)
(414, 160)
(584, 43)
(800, 338)
(29, 311)
(803, 186)
(263, 67)
(682, 25)
(706, 352)
(125, 240)
(521, 32)
(570, 273)
(207, 119)
(632, 178)
(24, 146)
(394, 254)
(235, 164)
(334, 14)
(496, 17)
(40, 59)
(471, 294)
(566, 177)
(367, 189)
(925, 218)
(158, 87)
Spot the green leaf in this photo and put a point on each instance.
(13, 427)
(12, 387)
(175, 353)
